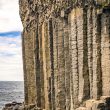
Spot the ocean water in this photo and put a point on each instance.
(11, 91)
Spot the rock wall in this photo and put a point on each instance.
(66, 54)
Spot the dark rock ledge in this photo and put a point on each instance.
(20, 106)
(13, 106)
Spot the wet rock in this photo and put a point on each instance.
(13, 106)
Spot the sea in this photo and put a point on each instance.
(11, 91)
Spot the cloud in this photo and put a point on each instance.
(10, 34)
(9, 16)
(10, 41)
(11, 56)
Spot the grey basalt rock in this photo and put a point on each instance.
(13, 106)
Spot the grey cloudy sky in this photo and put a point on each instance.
(10, 41)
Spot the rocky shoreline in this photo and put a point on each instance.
(102, 104)
(13, 106)
(20, 106)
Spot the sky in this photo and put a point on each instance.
(11, 68)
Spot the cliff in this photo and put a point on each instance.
(66, 53)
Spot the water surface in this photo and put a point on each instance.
(11, 91)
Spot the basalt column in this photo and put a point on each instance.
(74, 58)
(55, 55)
(67, 57)
(61, 99)
(52, 78)
(63, 64)
(48, 67)
(90, 47)
(46, 63)
(97, 75)
(81, 20)
(80, 89)
(105, 50)
(29, 47)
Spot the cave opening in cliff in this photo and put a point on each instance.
(11, 66)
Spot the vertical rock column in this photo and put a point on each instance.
(90, 47)
(105, 50)
(30, 74)
(67, 63)
(40, 31)
(62, 66)
(70, 52)
(84, 84)
(37, 67)
(55, 55)
(48, 67)
(97, 75)
(61, 99)
(46, 63)
(24, 68)
(23, 18)
(52, 88)
(74, 55)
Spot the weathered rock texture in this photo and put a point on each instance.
(66, 52)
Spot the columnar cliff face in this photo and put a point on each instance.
(66, 52)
